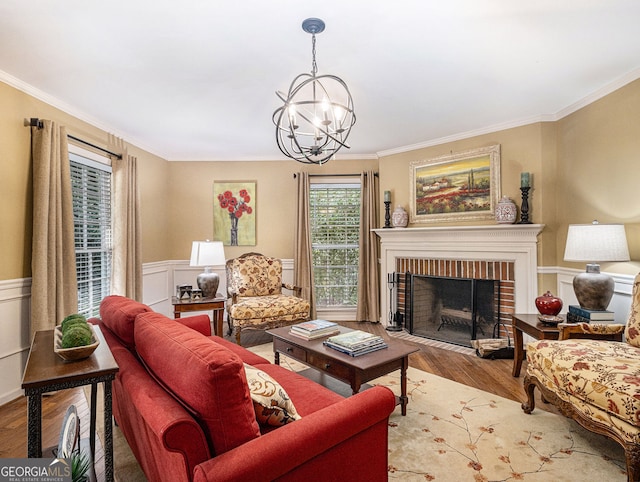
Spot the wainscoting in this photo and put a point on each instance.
(159, 281)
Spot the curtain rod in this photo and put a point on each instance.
(35, 122)
(334, 175)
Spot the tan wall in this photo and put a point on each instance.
(16, 180)
(599, 170)
(191, 210)
(584, 167)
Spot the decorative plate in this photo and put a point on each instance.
(78, 352)
(550, 319)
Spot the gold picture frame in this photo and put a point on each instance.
(456, 187)
(234, 212)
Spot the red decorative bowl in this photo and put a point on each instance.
(548, 304)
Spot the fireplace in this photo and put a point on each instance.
(452, 310)
(507, 253)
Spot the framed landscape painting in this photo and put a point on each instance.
(456, 187)
(234, 213)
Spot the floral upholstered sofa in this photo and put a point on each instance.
(256, 300)
(595, 382)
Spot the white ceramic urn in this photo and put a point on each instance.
(506, 211)
(399, 218)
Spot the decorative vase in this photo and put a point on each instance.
(400, 218)
(548, 304)
(506, 211)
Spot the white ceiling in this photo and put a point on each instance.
(196, 79)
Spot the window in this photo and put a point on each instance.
(91, 192)
(335, 224)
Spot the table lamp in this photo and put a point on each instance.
(207, 254)
(595, 243)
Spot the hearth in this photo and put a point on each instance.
(454, 310)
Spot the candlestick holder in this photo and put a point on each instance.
(524, 210)
(387, 214)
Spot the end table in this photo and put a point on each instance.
(47, 372)
(216, 304)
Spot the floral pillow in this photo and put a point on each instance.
(270, 402)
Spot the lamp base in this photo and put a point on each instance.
(208, 282)
(593, 289)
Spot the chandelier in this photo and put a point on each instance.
(317, 115)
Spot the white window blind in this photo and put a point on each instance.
(91, 192)
(335, 225)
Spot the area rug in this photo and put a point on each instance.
(454, 432)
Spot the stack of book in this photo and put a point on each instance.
(583, 315)
(313, 329)
(355, 343)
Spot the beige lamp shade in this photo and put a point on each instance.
(207, 254)
(595, 243)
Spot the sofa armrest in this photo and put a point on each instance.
(297, 290)
(350, 436)
(594, 330)
(201, 323)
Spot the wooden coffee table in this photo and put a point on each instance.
(354, 371)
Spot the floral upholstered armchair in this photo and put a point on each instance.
(594, 381)
(256, 301)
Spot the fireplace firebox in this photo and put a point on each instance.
(452, 310)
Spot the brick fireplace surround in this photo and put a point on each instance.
(501, 252)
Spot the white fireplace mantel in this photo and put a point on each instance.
(503, 242)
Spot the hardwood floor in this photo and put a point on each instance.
(492, 376)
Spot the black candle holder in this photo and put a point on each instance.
(387, 214)
(524, 210)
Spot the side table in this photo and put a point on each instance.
(205, 304)
(47, 372)
(531, 325)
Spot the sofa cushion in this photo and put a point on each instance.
(307, 395)
(207, 378)
(283, 307)
(118, 314)
(597, 373)
(270, 401)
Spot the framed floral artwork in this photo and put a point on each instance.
(456, 187)
(234, 212)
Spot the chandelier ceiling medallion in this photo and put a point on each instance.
(317, 115)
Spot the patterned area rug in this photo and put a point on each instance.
(454, 432)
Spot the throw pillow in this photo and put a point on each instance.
(270, 401)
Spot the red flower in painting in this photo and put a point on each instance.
(236, 207)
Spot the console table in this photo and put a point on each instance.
(47, 372)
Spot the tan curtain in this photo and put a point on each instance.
(303, 263)
(126, 274)
(54, 286)
(368, 308)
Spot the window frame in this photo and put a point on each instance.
(91, 306)
(328, 181)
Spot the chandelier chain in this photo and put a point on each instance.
(314, 65)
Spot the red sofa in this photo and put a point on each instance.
(182, 401)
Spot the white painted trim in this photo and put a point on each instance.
(514, 242)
